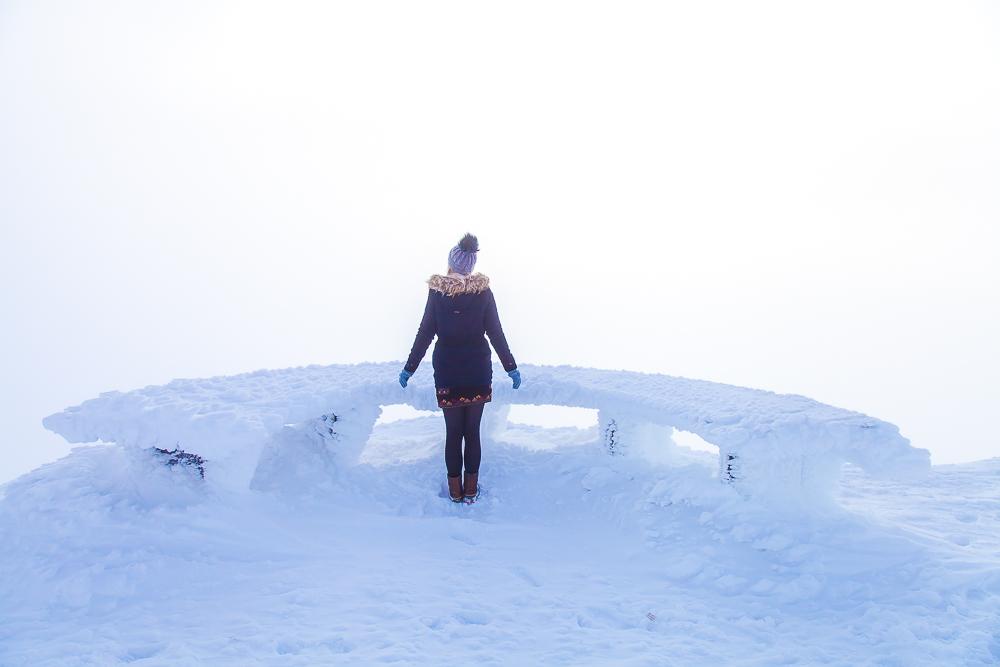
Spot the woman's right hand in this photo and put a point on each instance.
(404, 377)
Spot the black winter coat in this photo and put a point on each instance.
(459, 311)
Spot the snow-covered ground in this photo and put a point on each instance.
(571, 557)
(317, 537)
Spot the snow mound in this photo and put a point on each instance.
(572, 557)
(261, 428)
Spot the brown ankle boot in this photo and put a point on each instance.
(471, 484)
(455, 488)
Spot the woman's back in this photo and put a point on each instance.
(460, 309)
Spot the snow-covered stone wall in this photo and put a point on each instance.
(770, 445)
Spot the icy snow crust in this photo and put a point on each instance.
(774, 445)
(316, 539)
(572, 557)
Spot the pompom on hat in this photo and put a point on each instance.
(462, 258)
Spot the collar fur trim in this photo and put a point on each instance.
(456, 283)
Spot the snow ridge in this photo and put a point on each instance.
(771, 446)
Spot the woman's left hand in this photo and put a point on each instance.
(515, 375)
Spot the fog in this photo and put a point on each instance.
(799, 197)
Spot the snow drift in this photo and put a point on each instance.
(315, 538)
(260, 427)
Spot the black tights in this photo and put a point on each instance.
(462, 421)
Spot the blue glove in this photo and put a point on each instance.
(404, 377)
(515, 375)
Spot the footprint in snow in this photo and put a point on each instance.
(524, 574)
(142, 652)
(296, 647)
(471, 617)
(960, 540)
(433, 622)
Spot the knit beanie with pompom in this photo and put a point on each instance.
(462, 258)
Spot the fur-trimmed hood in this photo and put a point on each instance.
(456, 283)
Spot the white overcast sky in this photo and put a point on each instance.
(796, 196)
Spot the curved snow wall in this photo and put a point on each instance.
(251, 426)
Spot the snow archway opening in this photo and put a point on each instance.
(401, 412)
(552, 416)
(693, 442)
(658, 445)
(402, 434)
(545, 426)
(672, 447)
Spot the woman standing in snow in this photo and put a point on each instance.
(460, 309)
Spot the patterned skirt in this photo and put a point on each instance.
(453, 397)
